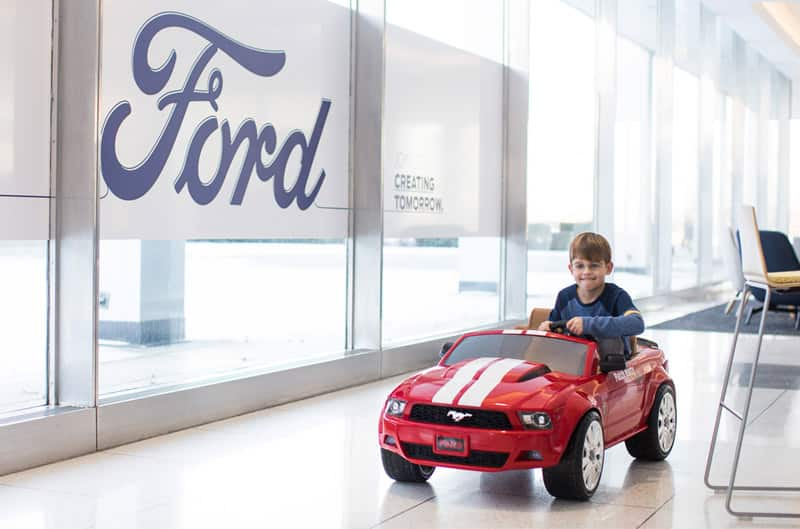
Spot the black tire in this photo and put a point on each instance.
(655, 443)
(399, 469)
(566, 480)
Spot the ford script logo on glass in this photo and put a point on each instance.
(131, 183)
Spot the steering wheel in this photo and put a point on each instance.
(560, 327)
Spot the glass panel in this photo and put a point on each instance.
(25, 59)
(23, 324)
(246, 304)
(794, 179)
(687, 35)
(632, 170)
(442, 167)
(722, 184)
(637, 20)
(561, 143)
(749, 178)
(452, 22)
(589, 7)
(772, 175)
(227, 254)
(685, 152)
(434, 286)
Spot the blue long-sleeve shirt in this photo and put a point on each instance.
(612, 314)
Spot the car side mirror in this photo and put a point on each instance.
(446, 347)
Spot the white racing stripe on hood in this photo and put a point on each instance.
(487, 382)
(463, 376)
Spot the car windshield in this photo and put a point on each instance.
(559, 355)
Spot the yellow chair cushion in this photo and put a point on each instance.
(785, 279)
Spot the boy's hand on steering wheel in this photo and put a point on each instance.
(575, 326)
(544, 326)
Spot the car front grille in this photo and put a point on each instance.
(476, 458)
(489, 420)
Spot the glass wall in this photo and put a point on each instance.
(25, 48)
(229, 245)
(633, 169)
(685, 152)
(561, 142)
(442, 167)
(229, 253)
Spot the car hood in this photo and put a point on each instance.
(489, 383)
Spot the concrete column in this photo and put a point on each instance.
(142, 289)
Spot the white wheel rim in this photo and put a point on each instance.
(592, 463)
(666, 422)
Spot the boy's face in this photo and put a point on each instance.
(590, 275)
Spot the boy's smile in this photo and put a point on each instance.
(590, 276)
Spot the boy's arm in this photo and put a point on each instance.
(627, 320)
(629, 324)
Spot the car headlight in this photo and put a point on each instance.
(395, 407)
(535, 420)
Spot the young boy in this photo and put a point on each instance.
(591, 306)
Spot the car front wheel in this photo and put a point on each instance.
(577, 476)
(400, 469)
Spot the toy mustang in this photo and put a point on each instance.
(519, 399)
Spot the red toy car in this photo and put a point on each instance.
(519, 399)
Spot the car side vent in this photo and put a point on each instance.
(533, 373)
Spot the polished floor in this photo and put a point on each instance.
(315, 464)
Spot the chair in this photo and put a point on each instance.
(538, 315)
(780, 257)
(733, 264)
(756, 275)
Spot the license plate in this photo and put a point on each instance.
(451, 445)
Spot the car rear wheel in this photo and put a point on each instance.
(655, 443)
(400, 469)
(577, 476)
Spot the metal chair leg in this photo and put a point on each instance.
(732, 303)
(731, 487)
(750, 313)
(712, 447)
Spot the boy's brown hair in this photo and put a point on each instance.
(590, 246)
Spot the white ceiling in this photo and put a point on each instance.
(744, 19)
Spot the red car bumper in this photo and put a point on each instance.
(469, 448)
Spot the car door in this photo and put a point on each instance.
(624, 396)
